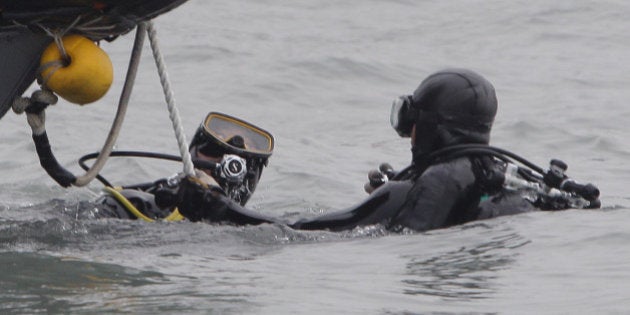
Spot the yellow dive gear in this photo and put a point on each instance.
(174, 216)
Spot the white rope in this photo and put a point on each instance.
(170, 101)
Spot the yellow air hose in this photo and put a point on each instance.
(174, 216)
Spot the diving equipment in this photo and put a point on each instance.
(220, 136)
(229, 149)
(233, 168)
(550, 197)
(450, 107)
(548, 190)
(163, 193)
(402, 116)
(376, 178)
(218, 131)
(232, 172)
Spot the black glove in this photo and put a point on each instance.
(376, 178)
(198, 201)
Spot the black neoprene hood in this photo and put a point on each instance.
(453, 106)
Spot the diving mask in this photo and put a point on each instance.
(241, 148)
(403, 115)
(223, 134)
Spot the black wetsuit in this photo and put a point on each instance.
(445, 194)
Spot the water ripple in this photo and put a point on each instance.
(465, 273)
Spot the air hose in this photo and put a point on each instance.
(174, 216)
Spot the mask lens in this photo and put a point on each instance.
(211, 149)
(401, 118)
(395, 113)
(237, 135)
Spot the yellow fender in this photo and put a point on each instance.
(82, 79)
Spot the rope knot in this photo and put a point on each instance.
(39, 100)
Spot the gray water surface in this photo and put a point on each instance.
(321, 75)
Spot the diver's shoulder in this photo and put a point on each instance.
(456, 171)
(450, 165)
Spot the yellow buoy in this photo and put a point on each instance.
(82, 79)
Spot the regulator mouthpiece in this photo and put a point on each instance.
(233, 168)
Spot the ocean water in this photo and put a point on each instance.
(321, 75)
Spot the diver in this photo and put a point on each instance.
(455, 175)
(229, 154)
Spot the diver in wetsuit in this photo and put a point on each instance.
(455, 176)
(229, 154)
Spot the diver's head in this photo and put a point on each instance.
(241, 148)
(453, 106)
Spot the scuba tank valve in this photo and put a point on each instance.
(557, 178)
(554, 190)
